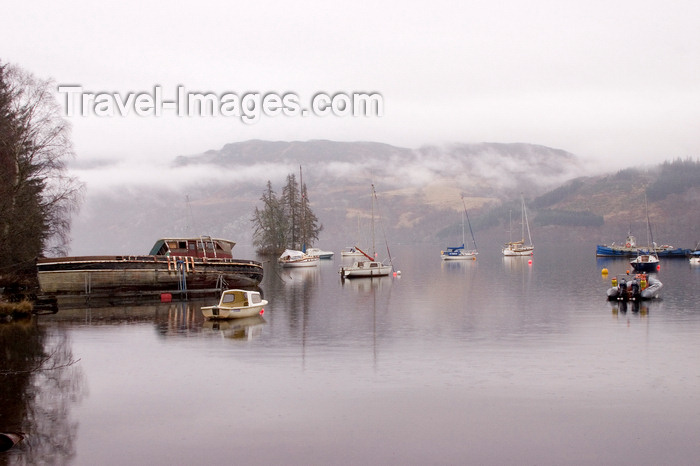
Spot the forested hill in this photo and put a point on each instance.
(616, 202)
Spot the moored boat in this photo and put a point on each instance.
(294, 258)
(519, 248)
(645, 263)
(694, 257)
(365, 268)
(460, 252)
(634, 287)
(370, 267)
(201, 264)
(321, 254)
(235, 304)
(350, 252)
(629, 249)
(647, 260)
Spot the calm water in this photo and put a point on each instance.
(495, 361)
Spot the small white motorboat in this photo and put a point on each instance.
(236, 304)
(293, 258)
(350, 252)
(321, 254)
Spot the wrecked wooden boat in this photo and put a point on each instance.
(174, 265)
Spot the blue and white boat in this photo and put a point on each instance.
(647, 260)
(460, 252)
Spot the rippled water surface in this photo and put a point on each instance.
(495, 361)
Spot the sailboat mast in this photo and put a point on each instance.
(650, 237)
(471, 232)
(510, 226)
(529, 237)
(303, 211)
(374, 250)
(522, 219)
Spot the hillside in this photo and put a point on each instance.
(419, 193)
(672, 192)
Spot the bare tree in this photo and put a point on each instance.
(37, 196)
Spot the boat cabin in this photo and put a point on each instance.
(203, 246)
(368, 264)
(239, 298)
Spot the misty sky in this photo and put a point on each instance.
(612, 82)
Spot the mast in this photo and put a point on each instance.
(463, 243)
(522, 219)
(469, 223)
(529, 237)
(374, 250)
(303, 212)
(510, 226)
(650, 237)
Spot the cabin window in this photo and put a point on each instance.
(182, 244)
(193, 246)
(228, 298)
(172, 244)
(255, 298)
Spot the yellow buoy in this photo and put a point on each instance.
(614, 281)
(604, 271)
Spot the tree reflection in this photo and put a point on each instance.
(39, 383)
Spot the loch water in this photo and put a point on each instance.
(493, 361)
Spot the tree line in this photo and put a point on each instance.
(286, 221)
(674, 177)
(37, 197)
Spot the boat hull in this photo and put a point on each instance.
(221, 312)
(622, 251)
(137, 274)
(518, 252)
(365, 269)
(351, 254)
(645, 264)
(631, 293)
(308, 262)
(459, 257)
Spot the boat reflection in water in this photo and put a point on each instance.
(245, 328)
(640, 308)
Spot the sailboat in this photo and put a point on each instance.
(368, 267)
(519, 248)
(646, 260)
(351, 251)
(459, 252)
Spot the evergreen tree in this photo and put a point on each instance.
(293, 212)
(285, 222)
(270, 224)
(310, 225)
